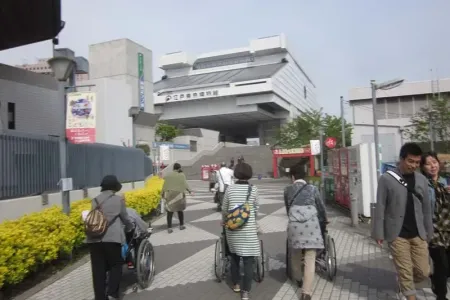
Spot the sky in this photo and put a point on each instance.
(341, 44)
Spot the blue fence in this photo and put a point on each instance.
(29, 165)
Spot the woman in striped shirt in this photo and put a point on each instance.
(242, 242)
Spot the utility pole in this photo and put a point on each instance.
(430, 125)
(343, 122)
(322, 171)
(375, 127)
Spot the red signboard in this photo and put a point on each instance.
(81, 135)
(330, 142)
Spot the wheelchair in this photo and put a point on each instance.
(141, 256)
(222, 260)
(325, 259)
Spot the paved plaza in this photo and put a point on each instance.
(184, 259)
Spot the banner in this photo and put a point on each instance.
(315, 147)
(81, 117)
(164, 152)
(141, 82)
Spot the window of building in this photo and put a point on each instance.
(11, 115)
(193, 146)
(393, 108)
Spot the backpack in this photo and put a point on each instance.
(238, 216)
(96, 223)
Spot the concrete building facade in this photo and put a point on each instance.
(243, 93)
(394, 110)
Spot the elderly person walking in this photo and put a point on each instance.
(106, 251)
(439, 245)
(307, 220)
(174, 193)
(243, 242)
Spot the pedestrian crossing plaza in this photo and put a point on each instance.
(185, 258)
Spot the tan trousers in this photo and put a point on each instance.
(411, 261)
(310, 268)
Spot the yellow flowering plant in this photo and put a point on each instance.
(39, 238)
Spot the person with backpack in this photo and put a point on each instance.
(240, 209)
(105, 235)
(306, 226)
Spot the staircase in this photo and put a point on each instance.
(259, 157)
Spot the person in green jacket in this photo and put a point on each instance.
(174, 193)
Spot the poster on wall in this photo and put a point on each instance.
(81, 117)
(164, 152)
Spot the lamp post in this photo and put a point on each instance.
(63, 68)
(322, 173)
(387, 85)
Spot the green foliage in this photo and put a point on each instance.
(166, 132)
(437, 114)
(145, 148)
(307, 126)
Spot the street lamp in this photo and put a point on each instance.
(387, 85)
(63, 68)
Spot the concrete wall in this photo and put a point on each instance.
(39, 101)
(119, 59)
(289, 83)
(15, 208)
(113, 125)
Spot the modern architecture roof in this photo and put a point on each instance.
(236, 75)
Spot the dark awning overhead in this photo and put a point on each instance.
(237, 75)
(24, 22)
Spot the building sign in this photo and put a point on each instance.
(164, 152)
(171, 145)
(330, 142)
(81, 117)
(193, 95)
(141, 85)
(292, 151)
(315, 147)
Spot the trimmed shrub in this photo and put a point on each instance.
(40, 238)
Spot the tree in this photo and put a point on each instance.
(306, 127)
(436, 114)
(145, 148)
(166, 132)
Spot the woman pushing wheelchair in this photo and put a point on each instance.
(306, 228)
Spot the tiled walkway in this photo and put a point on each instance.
(184, 259)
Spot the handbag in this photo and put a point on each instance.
(239, 216)
(162, 205)
(405, 184)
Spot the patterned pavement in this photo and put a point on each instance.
(184, 259)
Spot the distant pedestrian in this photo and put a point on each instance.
(403, 218)
(232, 163)
(174, 193)
(224, 180)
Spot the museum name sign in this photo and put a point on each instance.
(192, 95)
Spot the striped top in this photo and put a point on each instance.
(243, 241)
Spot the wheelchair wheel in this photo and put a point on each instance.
(219, 260)
(145, 264)
(260, 262)
(331, 258)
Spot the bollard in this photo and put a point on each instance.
(354, 210)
